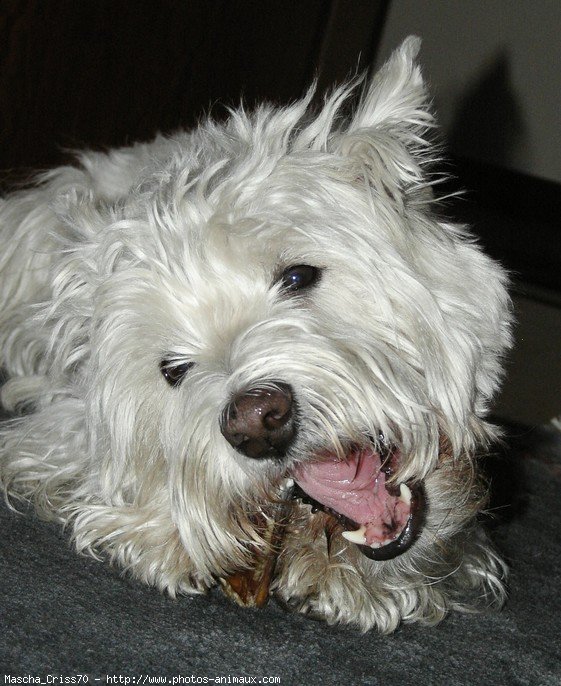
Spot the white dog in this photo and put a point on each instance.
(252, 354)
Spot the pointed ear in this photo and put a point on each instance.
(396, 96)
(387, 133)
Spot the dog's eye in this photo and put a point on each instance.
(298, 277)
(173, 373)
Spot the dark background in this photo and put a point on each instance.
(107, 72)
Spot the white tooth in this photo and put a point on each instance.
(405, 494)
(376, 544)
(356, 536)
(289, 483)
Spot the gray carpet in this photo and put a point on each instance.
(66, 615)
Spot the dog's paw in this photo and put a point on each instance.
(336, 594)
(343, 606)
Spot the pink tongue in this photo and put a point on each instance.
(355, 487)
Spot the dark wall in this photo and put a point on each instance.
(76, 73)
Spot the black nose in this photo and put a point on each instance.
(260, 422)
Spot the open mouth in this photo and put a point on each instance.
(384, 519)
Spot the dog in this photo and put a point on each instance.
(254, 356)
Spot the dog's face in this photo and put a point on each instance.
(279, 304)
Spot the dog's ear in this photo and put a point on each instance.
(387, 135)
(396, 96)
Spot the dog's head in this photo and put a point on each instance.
(275, 300)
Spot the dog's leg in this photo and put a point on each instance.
(43, 459)
(141, 540)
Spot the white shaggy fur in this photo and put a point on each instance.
(173, 249)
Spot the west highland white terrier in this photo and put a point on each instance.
(253, 356)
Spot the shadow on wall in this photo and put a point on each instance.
(488, 124)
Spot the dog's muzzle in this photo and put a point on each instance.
(356, 489)
(260, 422)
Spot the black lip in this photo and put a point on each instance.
(401, 544)
(410, 533)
